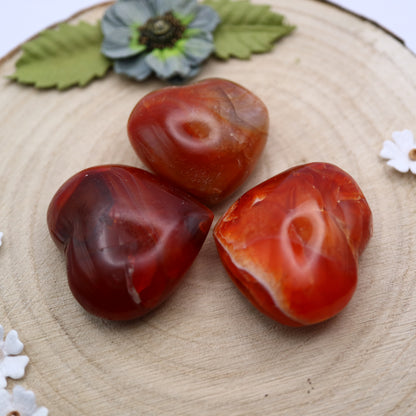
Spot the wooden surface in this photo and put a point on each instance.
(335, 89)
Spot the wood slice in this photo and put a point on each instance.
(336, 89)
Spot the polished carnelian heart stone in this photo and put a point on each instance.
(205, 138)
(292, 243)
(127, 236)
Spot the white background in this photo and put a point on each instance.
(21, 19)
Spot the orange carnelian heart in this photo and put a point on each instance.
(204, 138)
(292, 243)
(128, 238)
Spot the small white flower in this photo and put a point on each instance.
(401, 152)
(11, 363)
(1, 236)
(21, 403)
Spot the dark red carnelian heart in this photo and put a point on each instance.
(128, 238)
(292, 243)
(205, 138)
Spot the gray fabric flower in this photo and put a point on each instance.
(168, 37)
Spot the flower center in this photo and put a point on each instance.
(160, 27)
(13, 413)
(412, 154)
(161, 32)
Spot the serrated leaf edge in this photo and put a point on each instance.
(225, 9)
(60, 85)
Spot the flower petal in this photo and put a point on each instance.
(179, 80)
(161, 7)
(129, 12)
(400, 164)
(134, 67)
(167, 64)
(24, 400)
(1, 332)
(412, 166)
(5, 401)
(206, 19)
(186, 7)
(120, 33)
(390, 150)
(115, 48)
(404, 140)
(117, 41)
(13, 345)
(41, 411)
(197, 49)
(194, 71)
(14, 367)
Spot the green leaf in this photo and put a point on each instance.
(63, 57)
(246, 28)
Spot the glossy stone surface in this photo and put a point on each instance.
(292, 243)
(205, 138)
(128, 238)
